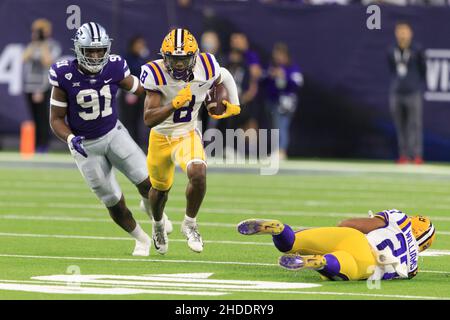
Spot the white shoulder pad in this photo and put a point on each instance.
(152, 77)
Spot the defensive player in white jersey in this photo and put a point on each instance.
(383, 247)
(84, 114)
(176, 87)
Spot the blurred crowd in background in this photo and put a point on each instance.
(269, 84)
(340, 2)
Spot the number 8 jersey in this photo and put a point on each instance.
(154, 78)
(91, 103)
(394, 246)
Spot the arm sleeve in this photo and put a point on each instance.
(230, 85)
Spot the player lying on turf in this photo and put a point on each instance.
(84, 93)
(384, 246)
(176, 87)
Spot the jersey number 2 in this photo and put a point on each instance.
(400, 252)
(184, 114)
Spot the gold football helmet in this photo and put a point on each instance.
(179, 50)
(423, 231)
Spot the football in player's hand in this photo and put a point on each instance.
(213, 101)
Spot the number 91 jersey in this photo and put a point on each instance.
(91, 103)
(154, 77)
(394, 246)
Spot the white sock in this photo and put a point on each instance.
(189, 220)
(139, 234)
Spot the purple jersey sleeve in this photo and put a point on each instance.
(59, 73)
(119, 67)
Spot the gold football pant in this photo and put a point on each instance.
(347, 251)
(166, 151)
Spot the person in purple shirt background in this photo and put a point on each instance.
(239, 43)
(83, 113)
(282, 82)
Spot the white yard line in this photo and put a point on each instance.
(160, 260)
(65, 236)
(239, 290)
(228, 211)
(87, 219)
(139, 260)
(309, 165)
(353, 294)
(281, 191)
(61, 236)
(339, 202)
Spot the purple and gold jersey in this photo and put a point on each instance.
(394, 246)
(91, 102)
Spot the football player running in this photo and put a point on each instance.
(176, 87)
(383, 247)
(83, 92)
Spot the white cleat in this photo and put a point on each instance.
(142, 249)
(168, 223)
(193, 237)
(160, 239)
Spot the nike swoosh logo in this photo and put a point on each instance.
(201, 85)
(154, 242)
(106, 81)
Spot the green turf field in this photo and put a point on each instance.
(52, 226)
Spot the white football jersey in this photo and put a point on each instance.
(154, 77)
(394, 246)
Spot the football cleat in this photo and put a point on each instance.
(297, 262)
(193, 237)
(260, 226)
(168, 224)
(160, 239)
(142, 249)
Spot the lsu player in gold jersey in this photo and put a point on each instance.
(383, 247)
(176, 87)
